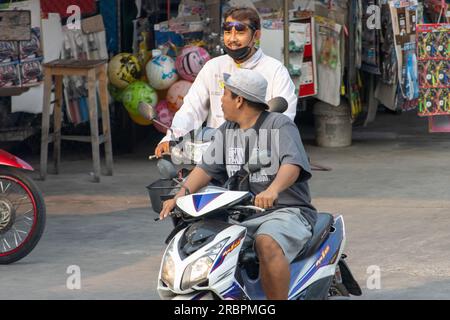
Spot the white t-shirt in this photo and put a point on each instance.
(203, 101)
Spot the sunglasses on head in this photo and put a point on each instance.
(238, 26)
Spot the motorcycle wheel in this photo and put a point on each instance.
(22, 215)
(338, 292)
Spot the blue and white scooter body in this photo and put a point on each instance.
(211, 269)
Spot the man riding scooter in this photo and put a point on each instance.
(282, 189)
(241, 31)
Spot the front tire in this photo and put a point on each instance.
(22, 215)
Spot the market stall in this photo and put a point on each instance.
(349, 55)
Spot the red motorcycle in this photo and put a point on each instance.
(22, 209)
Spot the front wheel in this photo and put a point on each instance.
(22, 215)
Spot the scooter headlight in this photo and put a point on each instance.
(198, 271)
(168, 267)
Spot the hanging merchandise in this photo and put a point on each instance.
(404, 21)
(31, 72)
(123, 69)
(190, 61)
(176, 94)
(9, 51)
(9, 74)
(164, 115)
(137, 92)
(21, 61)
(410, 76)
(303, 57)
(437, 10)
(86, 43)
(329, 61)
(433, 47)
(353, 87)
(298, 37)
(388, 54)
(161, 72)
(357, 24)
(370, 60)
(31, 49)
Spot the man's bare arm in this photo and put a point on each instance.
(286, 177)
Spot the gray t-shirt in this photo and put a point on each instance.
(277, 133)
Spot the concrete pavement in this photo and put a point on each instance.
(391, 185)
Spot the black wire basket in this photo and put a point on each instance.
(159, 191)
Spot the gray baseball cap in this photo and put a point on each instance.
(247, 83)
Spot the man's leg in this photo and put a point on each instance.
(273, 268)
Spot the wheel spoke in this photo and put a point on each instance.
(21, 219)
(5, 243)
(3, 188)
(17, 206)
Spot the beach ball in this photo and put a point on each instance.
(190, 61)
(176, 94)
(137, 92)
(124, 69)
(161, 72)
(138, 119)
(164, 115)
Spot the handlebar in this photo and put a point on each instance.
(153, 156)
(172, 213)
(250, 207)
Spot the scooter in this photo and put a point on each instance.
(208, 259)
(22, 209)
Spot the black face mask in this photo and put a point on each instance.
(239, 54)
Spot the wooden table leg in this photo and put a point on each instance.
(93, 118)
(45, 122)
(106, 119)
(57, 125)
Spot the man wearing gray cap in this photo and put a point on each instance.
(280, 235)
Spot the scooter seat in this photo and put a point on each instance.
(319, 235)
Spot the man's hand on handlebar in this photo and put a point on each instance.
(162, 148)
(266, 199)
(167, 208)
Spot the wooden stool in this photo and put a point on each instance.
(94, 70)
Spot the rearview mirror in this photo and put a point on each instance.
(258, 161)
(278, 104)
(166, 169)
(146, 111)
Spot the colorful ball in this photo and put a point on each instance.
(176, 94)
(161, 72)
(164, 114)
(124, 69)
(190, 61)
(140, 120)
(137, 92)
